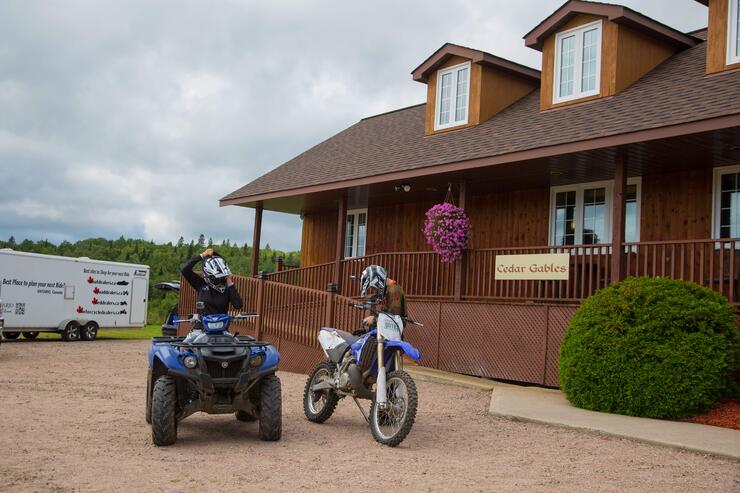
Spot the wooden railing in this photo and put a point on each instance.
(590, 268)
(422, 274)
(315, 277)
(711, 263)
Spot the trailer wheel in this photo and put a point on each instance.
(30, 335)
(89, 331)
(71, 332)
(11, 335)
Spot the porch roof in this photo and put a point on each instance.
(676, 98)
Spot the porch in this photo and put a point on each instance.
(473, 323)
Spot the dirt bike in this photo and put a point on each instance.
(367, 366)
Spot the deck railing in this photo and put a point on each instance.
(711, 263)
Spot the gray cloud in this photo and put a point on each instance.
(133, 118)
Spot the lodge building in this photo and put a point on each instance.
(623, 152)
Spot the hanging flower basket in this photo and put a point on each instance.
(447, 230)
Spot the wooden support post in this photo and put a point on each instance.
(618, 218)
(331, 289)
(256, 240)
(260, 305)
(279, 264)
(461, 263)
(341, 229)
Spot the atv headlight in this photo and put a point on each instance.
(190, 361)
(214, 325)
(256, 360)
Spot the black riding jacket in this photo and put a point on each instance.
(215, 302)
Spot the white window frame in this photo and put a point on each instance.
(608, 203)
(732, 57)
(578, 64)
(455, 70)
(355, 232)
(717, 196)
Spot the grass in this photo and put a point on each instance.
(146, 332)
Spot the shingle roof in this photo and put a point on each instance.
(678, 91)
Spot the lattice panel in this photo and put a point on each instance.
(558, 320)
(424, 338)
(297, 358)
(494, 340)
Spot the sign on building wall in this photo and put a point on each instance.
(544, 266)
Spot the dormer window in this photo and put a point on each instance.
(453, 93)
(577, 63)
(733, 30)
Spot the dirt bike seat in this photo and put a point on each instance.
(348, 338)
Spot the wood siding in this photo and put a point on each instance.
(509, 219)
(397, 227)
(717, 37)
(626, 55)
(677, 206)
(318, 238)
(491, 91)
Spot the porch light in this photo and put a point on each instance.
(404, 187)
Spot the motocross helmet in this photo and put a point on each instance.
(374, 276)
(215, 272)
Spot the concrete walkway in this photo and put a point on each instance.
(550, 406)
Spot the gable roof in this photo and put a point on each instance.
(421, 73)
(615, 13)
(379, 148)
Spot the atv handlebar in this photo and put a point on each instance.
(196, 317)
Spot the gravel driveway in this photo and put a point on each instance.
(72, 417)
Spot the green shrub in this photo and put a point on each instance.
(652, 347)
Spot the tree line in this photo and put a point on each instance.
(164, 260)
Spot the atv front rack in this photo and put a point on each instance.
(178, 341)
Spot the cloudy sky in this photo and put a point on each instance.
(134, 117)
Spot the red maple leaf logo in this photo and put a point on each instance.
(90, 280)
(80, 309)
(94, 301)
(96, 290)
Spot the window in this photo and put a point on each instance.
(452, 96)
(355, 234)
(727, 202)
(733, 33)
(577, 63)
(581, 214)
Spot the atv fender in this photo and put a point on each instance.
(168, 355)
(407, 348)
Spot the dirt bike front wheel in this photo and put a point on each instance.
(391, 424)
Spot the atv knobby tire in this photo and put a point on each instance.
(164, 400)
(323, 369)
(271, 418)
(395, 378)
(245, 416)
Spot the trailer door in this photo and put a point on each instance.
(138, 301)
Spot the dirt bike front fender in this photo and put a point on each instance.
(407, 348)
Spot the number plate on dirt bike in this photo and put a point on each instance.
(390, 327)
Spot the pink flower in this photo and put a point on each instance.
(447, 230)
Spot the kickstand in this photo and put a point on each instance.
(367, 419)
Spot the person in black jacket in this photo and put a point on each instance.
(215, 289)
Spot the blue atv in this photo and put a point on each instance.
(212, 371)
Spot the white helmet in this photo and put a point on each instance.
(215, 272)
(374, 276)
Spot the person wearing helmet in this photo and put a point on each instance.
(215, 289)
(375, 285)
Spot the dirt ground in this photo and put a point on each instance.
(72, 417)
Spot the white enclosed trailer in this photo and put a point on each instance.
(71, 296)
